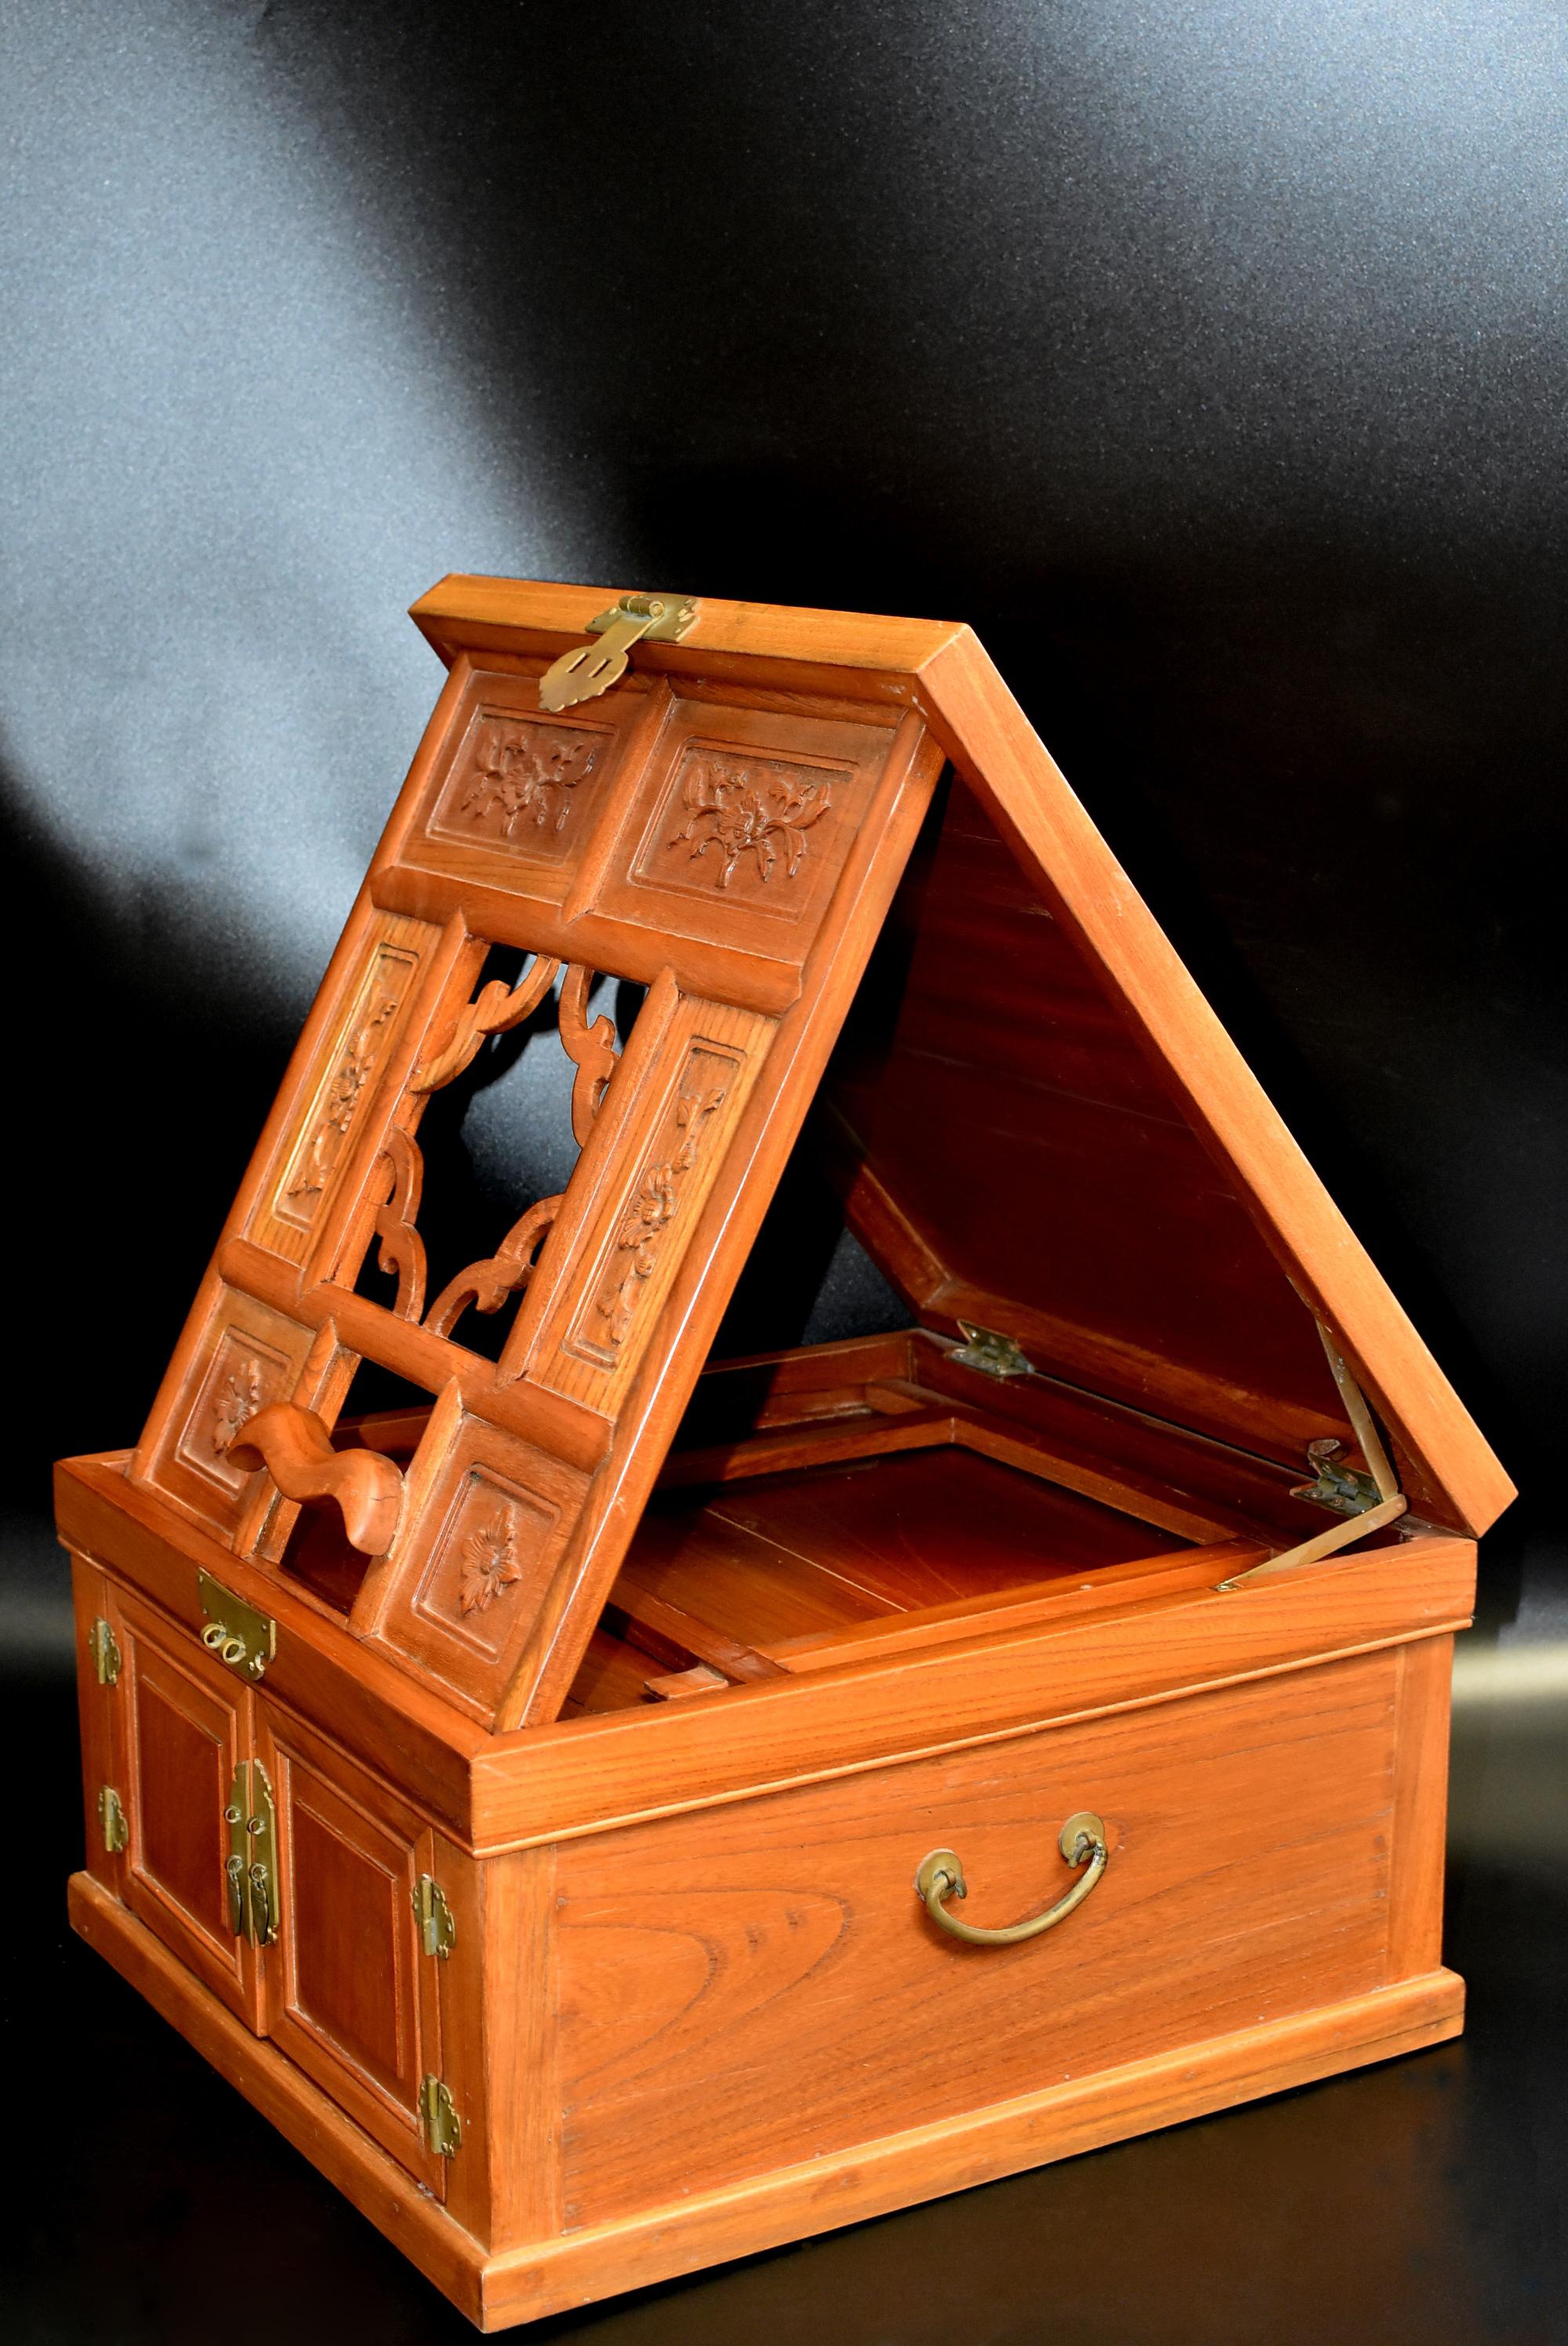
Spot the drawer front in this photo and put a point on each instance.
(755, 1984)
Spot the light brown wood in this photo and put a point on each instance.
(552, 2275)
(647, 1680)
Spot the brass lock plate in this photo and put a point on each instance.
(236, 1632)
(589, 670)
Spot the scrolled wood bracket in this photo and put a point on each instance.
(592, 1047)
(401, 1248)
(495, 1009)
(295, 1449)
(487, 1284)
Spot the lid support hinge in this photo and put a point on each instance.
(1367, 1501)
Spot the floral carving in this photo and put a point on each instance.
(736, 809)
(353, 1071)
(238, 1398)
(489, 1566)
(641, 1235)
(528, 772)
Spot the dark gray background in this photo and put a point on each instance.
(1210, 359)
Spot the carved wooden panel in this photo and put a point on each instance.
(246, 1356)
(489, 1516)
(331, 1114)
(740, 825)
(350, 1996)
(627, 1217)
(515, 792)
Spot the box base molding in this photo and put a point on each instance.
(765, 2211)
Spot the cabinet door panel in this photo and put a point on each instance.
(351, 1996)
(187, 1723)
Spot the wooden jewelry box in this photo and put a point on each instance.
(623, 1809)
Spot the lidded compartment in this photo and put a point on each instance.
(789, 879)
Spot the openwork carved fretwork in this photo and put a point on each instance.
(527, 772)
(401, 1248)
(592, 1047)
(758, 808)
(487, 1284)
(641, 1236)
(490, 1565)
(495, 1009)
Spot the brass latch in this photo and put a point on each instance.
(250, 1870)
(992, 1355)
(437, 1931)
(583, 673)
(236, 1632)
(439, 2122)
(112, 1821)
(104, 1647)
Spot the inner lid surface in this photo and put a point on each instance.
(1012, 1157)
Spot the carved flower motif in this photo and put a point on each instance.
(652, 1211)
(738, 810)
(520, 776)
(238, 1397)
(489, 1565)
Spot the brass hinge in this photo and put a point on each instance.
(236, 1632)
(439, 2122)
(1343, 1488)
(588, 669)
(993, 1355)
(250, 1868)
(437, 1931)
(112, 1820)
(106, 1653)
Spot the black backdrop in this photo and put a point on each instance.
(1208, 361)
(1207, 356)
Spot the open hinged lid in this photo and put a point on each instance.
(1040, 1128)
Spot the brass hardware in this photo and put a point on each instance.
(1338, 1487)
(1082, 1841)
(112, 1821)
(250, 1868)
(588, 669)
(439, 2121)
(992, 1355)
(236, 1632)
(105, 1651)
(437, 1931)
(1367, 1503)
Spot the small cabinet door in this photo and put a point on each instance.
(186, 1725)
(352, 1997)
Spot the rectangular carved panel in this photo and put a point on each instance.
(330, 1114)
(739, 828)
(514, 798)
(246, 1356)
(629, 1215)
(489, 1516)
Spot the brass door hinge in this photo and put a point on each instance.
(105, 1651)
(112, 1821)
(437, 1930)
(250, 1868)
(236, 1632)
(439, 2122)
(993, 1355)
(588, 669)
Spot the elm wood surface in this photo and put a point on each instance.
(729, 829)
(1250, 1832)
(553, 2274)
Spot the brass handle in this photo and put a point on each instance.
(1082, 1841)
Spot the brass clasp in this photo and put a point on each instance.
(589, 670)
